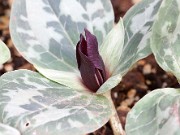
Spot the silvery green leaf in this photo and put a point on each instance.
(6, 130)
(4, 53)
(46, 31)
(157, 113)
(119, 55)
(111, 51)
(110, 83)
(112, 46)
(166, 37)
(36, 105)
(70, 79)
(138, 23)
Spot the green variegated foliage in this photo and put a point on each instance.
(127, 44)
(53, 54)
(46, 33)
(36, 105)
(112, 46)
(6, 130)
(157, 113)
(165, 41)
(138, 23)
(4, 53)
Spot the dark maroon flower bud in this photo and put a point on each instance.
(90, 63)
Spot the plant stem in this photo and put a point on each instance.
(114, 120)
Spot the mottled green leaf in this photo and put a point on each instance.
(111, 51)
(110, 83)
(6, 130)
(138, 23)
(46, 31)
(36, 105)
(158, 113)
(166, 37)
(72, 80)
(4, 53)
(118, 55)
(112, 46)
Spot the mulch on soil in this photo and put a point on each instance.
(143, 78)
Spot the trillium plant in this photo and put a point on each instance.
(80, 55)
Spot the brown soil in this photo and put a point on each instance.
(143, 78)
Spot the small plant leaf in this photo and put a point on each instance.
(166, 37)
(112, 46)
(4, 53)
(69, 79)
(122, 48)
(46, 31)
(110, 83)
(138, 23)
(157, 113)
(111, 51)
(6, 130)
(34, 104)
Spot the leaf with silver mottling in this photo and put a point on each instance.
(111, 51)
(6, 130)
(166, 37)
(34, 104)
(47, 31)
(157, 113)
(138, 23)
(112, 46)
